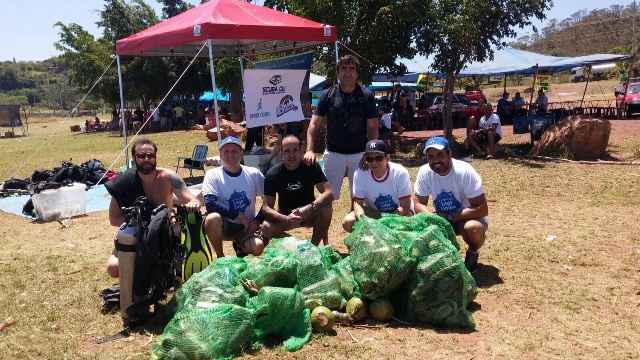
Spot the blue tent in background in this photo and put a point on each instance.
(207, 96)
(514, 61)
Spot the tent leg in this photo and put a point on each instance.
(504, 90)
(212, 69)
(533, 87)
(337, 56)
(585, 86)
(122, 119)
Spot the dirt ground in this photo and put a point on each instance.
(559, 275)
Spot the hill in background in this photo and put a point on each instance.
(585, 32)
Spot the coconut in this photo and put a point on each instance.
(381, 310)
(357, 309)
(322, 319)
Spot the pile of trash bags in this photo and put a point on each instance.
(411, 261)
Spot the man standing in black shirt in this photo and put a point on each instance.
(349, 110)
(293, 182)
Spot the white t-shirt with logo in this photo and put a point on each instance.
(384, 194)
(236, 193)
(450, 193)
(493, 119)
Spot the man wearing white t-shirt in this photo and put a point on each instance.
(230, 193)
(489, 132)
(458, 195)
(379, 186)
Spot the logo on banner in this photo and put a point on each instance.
(286, 105)
(259, 107)
(259, 114)
(197, 30)
(275, 80)
(276, 88)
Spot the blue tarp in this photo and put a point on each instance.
(98, 199)
(514, 61)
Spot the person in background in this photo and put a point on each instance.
(518, 104)
(179, 117)
(541, 105)
(489, 132)
(505, 108)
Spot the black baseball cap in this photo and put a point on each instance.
(376, 146)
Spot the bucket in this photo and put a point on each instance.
(65, 202)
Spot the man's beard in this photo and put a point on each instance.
(146, 169)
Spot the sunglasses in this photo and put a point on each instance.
(374, 158)
(145, 156)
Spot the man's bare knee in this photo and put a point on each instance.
(257, 246)
(474, 233)
(112, 266)
(349, 220)
(213, 220)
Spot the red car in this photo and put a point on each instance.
(475, 95)
(461, 104)
(630, 101)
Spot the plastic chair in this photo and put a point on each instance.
(196, 161)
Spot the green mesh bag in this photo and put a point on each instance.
(329, 256)
(379, 261)
(417, 224)
(324, 293)
(280, 312)
(311, 268)
(440, 291)
(348, 285)
(218, 283)
(220, 332)
(275, 268)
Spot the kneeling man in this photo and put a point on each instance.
(458, 196)
(230, 193)
(379, 186)
(293, 182)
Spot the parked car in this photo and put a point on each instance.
(461, 104)
(475, 95)
(631, 101)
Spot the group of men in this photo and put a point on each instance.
(376, 184)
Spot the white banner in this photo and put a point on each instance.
(273, 96)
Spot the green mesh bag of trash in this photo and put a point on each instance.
(348, 285)
(379, 261)
(280, 312)
(218, 283)
(273, 268)
(220, 332)
(412, 226)
(440, 291)
(326, 292)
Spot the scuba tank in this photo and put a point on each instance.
(127, 239)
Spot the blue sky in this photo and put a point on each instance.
(27, 32)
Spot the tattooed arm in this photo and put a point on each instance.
(181, 191)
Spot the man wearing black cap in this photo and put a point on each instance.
(379, 186)
(230, 193)
(458, 195)
(349, 110)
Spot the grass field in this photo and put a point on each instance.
(577, 296)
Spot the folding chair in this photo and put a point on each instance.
(196, 161)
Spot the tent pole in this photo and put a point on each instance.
(586, 85)
(212, 70)
(337, 57)
(122, 119)
(504, 90)
(533, 88)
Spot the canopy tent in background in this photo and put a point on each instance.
(387, 85)
(207, 96)
(229, 28)
(315, 79)
(514, 61)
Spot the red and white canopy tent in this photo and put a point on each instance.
(229, 28)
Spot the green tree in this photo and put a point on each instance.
(378, 30)
(458, 32)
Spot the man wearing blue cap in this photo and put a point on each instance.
(458, 195)
(379, 186)
(230, 193)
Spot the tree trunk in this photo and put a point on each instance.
(236, 102)
(447, 119)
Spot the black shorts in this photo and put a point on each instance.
(482, 137)
(235, 232)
